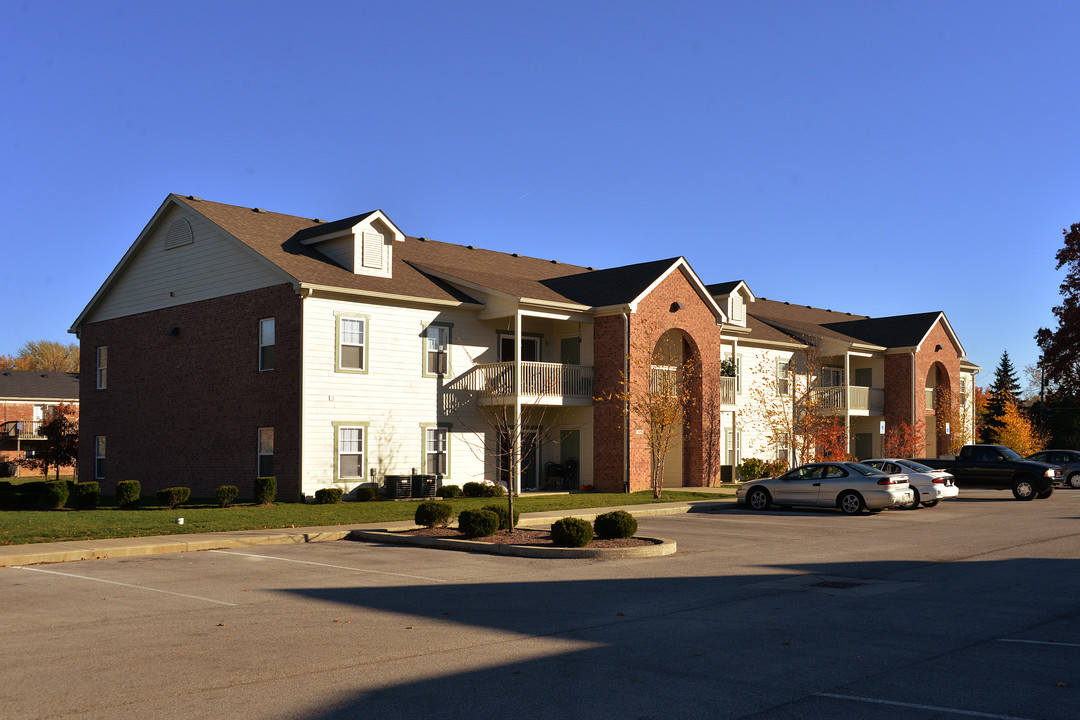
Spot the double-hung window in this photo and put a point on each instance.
(266, 452)
(102, 367)
(436, 349)
(350, 452)
(435, 451)
(352, 344)
(266, 344)
(783, 381)
(99, 457)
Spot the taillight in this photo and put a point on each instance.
(893, 480)
(939, 480)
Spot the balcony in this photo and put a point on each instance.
(21, 430)
(852, 399)
(543, 383)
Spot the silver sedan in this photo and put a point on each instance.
(850, 486)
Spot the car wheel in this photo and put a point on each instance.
(1045, 493)
(1074, 480)
(1024, 489)
(914, 502)
(930, 503)
(851, 503)
(758, 499)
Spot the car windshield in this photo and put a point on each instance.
(917, 467)
(864, 469)
(1010, 454)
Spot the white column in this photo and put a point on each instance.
(515, 453)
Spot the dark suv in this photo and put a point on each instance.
(1067, 460)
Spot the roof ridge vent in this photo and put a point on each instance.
(422, 239)
(258, 210)
(589, 267)
(470, 247)
(554, 262)
(514, 255)
(192, 197)
(318, 220)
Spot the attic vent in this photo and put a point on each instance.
(373, 250)
(179, 234)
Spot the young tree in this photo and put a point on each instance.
(1017, 432)
(43, 355)
(903, 440)
(61, 447)
(1061, 347)
(1004, 391)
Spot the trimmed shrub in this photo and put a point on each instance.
(128, 493)
(478, 523)
(173, 496)
(449, 491)
(328, 496)
(615, 524)
(491, 490)
(265, 490)
(504, 515)
(85, 495)
(571, 532)
(752, 469)
(433, 514)
(227, 494)
(54, 496)
(472, 489)
(367, 494)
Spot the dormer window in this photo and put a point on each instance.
(363, 245)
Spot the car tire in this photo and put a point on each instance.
(758, 499)
(1074, 481)
(1043, 494)
(1025, 489)
(914, 504)
(851, 503)
(930, 503)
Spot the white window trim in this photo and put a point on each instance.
(364, 451)
(263, 344)
(442, 329)
(339, 319)
(434, 428)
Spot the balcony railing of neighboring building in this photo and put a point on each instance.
(663, 379)
(538, 379)
(727, 391)
(21, 430)
(853, 398)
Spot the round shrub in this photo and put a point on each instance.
(328, 496)
(265, 490)
(491, 490)
(449, 491)
(85, 495)
(478, 523)
(571, 532)
(173, 496)
(128, 493)
(366, 494)
(472, 489)
(615, 524)
(54, 495)
(504, 515)
(227, 494)
(433, 514)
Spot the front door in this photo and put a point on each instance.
(530, 456)
(864, 445)
(570, 456)
(530, 349)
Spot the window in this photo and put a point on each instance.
(783, 382)
(352, 344)
(783, 443)
(266, 452)
(435, 451)
(832, 377)
(350, 452)
(530, 348)
(864, 377)
(102, 367)
(436, 349)
(266, 346)
(99, 457)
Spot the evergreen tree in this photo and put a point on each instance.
(1061, 346)
(1004, 392)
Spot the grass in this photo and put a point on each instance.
(204, 515)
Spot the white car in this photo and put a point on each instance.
(930, 485)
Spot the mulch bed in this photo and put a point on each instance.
(536, 538)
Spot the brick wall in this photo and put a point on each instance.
(11, 451)
(185, 409)
(654, 316)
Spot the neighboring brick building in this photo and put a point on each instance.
(27, 398)
(231, 342)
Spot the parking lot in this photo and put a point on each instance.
(968, 609)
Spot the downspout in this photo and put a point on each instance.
(626, 404)
(515, 451)
(847, 400)
(735, 403)
(303, 294)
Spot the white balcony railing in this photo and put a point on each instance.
(851, 397)
(727, 391)
(538, 379)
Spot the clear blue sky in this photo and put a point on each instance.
(878, 158)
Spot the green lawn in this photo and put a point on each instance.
(34, 526)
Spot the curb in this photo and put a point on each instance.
(660, 546)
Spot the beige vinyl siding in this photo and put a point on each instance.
(758, 381)
(393, 397)
(211, 266)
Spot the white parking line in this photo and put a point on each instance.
(954, 711)
(113, 582)
(338, 567)
(1040, 642)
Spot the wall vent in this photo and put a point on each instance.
(179, 234)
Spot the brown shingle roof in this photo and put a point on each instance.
(34, 384)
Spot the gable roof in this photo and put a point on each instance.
(37, 385)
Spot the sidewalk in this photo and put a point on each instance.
(35, 553)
